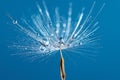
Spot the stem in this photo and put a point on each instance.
(62, 67)
(61, 53)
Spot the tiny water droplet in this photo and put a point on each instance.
(80, 43)
(15, 22)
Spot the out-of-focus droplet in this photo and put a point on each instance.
(57, 25)
(25, 48)
(52, 34)
(64, 25)
(80, 43)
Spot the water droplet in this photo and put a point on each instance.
(52, 34)
(15, 22)
(57, 25)
(42, 48)
(64, 31)
(25, 48)
(75, 35)
(64, 25)
(47, 43)
(80, 43)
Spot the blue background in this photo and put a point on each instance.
(106, 66)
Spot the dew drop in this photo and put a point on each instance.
(15, 22)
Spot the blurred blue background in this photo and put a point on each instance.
(106, 66)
